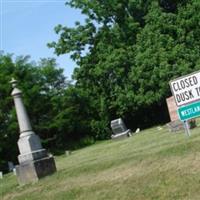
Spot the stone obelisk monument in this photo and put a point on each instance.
(34, 162)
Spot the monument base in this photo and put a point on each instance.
(178, 125)
(34, 170)
(122, 135)
(175, 126)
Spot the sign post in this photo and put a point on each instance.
(187, 129)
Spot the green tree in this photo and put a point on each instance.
(8, 124)
(43, 87)
(127, 52)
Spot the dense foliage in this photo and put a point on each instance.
(127, 51)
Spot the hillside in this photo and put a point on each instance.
(153, 164)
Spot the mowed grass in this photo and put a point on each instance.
(154, 164)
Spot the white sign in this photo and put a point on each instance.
(186, 89)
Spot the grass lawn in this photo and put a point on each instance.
(154, 164)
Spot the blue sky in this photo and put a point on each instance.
(27, 26)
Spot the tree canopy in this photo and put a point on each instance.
(127, 52)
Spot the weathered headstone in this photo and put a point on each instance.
(159, 128)
(119, 129)
(67, 152)
(34, 162)
(14, 171)
(1, 175)
(137, 130)
(10, 166)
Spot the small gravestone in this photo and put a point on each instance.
(159, 128)
(137, 130)
(14, 171)
(67, 152)
(1, 175)
(10, 166)
(119, 129)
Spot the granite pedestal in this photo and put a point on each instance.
(32, 171)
